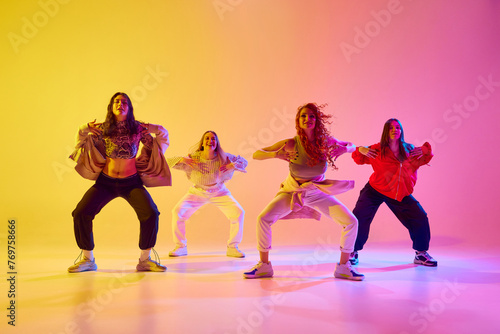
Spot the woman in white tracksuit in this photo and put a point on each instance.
(208, 167)
(306, 193)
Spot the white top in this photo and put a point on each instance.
(206, 174)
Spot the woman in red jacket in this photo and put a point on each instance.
(395, 165)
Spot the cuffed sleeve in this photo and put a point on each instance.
(239, 162)
(152, 165)
(81, 135)
(360, 158)
(89, 154)
(175, 162)
(427, 153)
(161, 136)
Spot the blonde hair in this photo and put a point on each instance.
(198, 148)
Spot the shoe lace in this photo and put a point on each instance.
(157, 257)
(258, 265)
(79, 258)
(425, 255)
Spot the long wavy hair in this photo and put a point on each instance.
(109, 124)
(319, 149)
(198, 148)
(404, 147)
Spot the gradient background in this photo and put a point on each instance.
(241, 68)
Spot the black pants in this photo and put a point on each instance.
(409, 212)
(101, 193)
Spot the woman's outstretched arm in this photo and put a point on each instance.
(283, 150)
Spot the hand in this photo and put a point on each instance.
(368, 152)
(192, 162)
(227, 167)
(286, 155)
(195, 164)
(188, 161)
(94, 128)
(337, 150)
(416, 153)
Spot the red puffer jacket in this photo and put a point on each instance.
(392, 178)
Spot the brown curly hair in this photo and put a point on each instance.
(319, 150)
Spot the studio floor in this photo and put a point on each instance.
(204, 292)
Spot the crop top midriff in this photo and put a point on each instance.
(299, 169)
(122, 145)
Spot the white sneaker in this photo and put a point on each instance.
(234, 252)
(179, 251)
(346, 271)
(260, 270)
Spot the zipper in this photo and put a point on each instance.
(399, 179)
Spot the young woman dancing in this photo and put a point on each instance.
(208, 167)
(305, 192)
(395, 164)
(107, 152)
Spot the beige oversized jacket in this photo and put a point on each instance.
(152, 167)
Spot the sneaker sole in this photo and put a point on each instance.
(81, 271)
(261, 276)
(237, 256)
(350, 278)
(152, 271)
(175, 255)
(425, 264)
